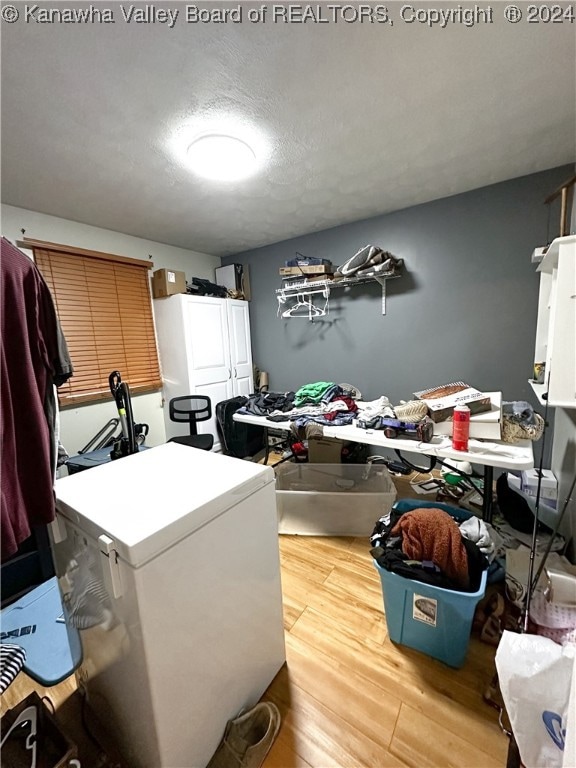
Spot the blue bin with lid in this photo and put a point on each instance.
(430, 619)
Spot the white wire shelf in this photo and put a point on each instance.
(343, 282)
(303, 289)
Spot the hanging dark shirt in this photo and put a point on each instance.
(34, 358)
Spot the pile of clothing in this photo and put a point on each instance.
(370, 261)
(327, 404)
(268, 403)
(428, 545)
(322, 402)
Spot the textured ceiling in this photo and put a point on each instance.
(356, 119)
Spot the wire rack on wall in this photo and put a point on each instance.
(310, 299)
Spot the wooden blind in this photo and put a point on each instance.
(105, 311)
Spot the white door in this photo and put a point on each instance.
(240, 347)
(208, 355)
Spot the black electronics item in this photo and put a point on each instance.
(200, 287)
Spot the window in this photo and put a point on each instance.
(104, 305)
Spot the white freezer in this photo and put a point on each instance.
(168, 562)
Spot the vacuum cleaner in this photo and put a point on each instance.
(126, 443)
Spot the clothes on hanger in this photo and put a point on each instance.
(34, 359)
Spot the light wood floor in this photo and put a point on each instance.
(348, 696)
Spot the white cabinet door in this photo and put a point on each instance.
(240, 347)
(207, 348)
(208, 354)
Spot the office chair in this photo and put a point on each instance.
(192, 409)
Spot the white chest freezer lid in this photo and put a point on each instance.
(151, 500)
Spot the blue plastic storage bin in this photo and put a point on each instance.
(430, 619)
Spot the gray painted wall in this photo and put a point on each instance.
(465, 307)
(573, 217)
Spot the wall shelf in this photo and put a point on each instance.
(539, 390)
(303, 290)
(538, 254)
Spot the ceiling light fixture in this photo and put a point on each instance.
(221, 157)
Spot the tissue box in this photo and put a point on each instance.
(548, 486)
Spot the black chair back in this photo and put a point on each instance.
(191, 409)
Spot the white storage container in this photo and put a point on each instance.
(332, 499)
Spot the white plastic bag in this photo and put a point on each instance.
(536, 678)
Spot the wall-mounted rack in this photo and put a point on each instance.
(295, 300)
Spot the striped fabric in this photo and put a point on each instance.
(88, 600)
(12, 659)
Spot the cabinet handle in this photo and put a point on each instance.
(235, 373)
(109, 557)
(229, 373)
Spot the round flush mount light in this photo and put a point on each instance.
(221, 157)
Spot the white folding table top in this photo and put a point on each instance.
(491, 453)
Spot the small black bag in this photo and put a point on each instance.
(514, 508)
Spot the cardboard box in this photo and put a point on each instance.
(167, 282)
(316, 278)
(483, 426)
(548, 486)
(441, 401)
(324, 450)
(318, 269)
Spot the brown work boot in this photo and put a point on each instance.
(248, 738)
